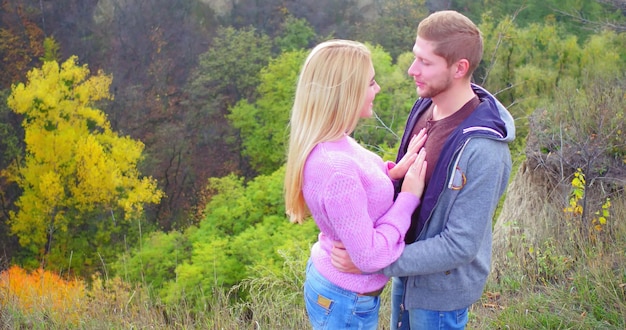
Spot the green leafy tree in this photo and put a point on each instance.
(523, 66)
(395, 26)
(392, 103)
(155, 260)
(230, 69)
(245, 225)
(295, 33)
(263, 125)
(51, 50)
(79, 179)
(236, 206)
(228, 72)
(579, 17)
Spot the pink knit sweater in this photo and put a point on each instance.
(350, 195)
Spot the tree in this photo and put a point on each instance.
(583, 128)
(263, 125)
(523, 65)
(154, 261)
(21, 41)
(11, 149)
(80, 182)
(328, 17)
(295, 33)
(583, 123)
(230, 68)
(396, 26)
(392, 104)
(580, 18)
(151, 47)
(228, 72)
(244, 226)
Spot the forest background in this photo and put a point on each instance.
(142, 146)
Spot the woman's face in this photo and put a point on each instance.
(370, 94)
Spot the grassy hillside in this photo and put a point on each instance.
(572, 281)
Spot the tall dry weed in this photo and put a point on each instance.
(43, 295)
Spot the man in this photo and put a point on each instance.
(445, 264)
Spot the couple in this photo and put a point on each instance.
(424, 221)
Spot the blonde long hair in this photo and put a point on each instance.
(328, 101)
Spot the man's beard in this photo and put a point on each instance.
(433, 90)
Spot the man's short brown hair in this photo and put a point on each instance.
(455, 37)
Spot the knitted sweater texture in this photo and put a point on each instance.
(350, 195)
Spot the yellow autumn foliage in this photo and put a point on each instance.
(74, 162)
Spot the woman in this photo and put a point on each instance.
(347, 189)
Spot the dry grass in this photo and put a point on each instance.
(561, 277)
(566, 275)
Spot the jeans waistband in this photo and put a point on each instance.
(313, 273)
(374, 293)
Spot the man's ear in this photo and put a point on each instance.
(462, 67)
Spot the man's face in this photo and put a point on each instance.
(430, 72)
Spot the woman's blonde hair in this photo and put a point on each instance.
(328, 101)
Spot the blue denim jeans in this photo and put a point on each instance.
(332, 307)
(422, 319)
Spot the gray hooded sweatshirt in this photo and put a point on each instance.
(447, 267)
